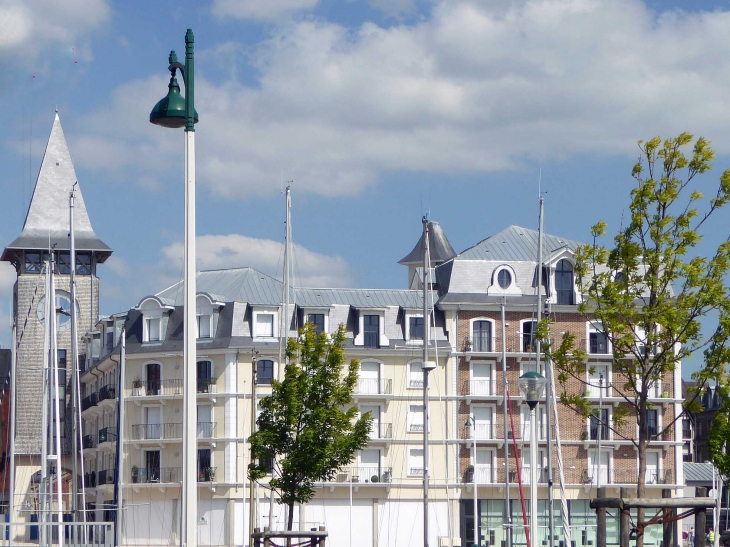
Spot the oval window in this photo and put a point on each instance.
(504, 278)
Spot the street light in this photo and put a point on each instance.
(175, 112)
(532, 385)
(716, 513)
(472, 423)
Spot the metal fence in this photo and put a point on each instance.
(74, 534)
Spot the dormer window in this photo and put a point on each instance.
(414, 326)
(564, 284)
(504, 278)
(318, 316)
(154, 318)
(504, 281)
(152, 328)
(371, 328)
(317, 319)
(265, 322)
(206, 315)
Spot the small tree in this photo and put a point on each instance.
(304, 426)
(649, 291)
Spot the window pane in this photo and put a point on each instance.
(504, 279)
(83, 264)
(265, 324)
(482, 336)
(264, 371)
(372, 331)
(64, 263)
(416, 328)
(203, 326)
(317, 319)
(33, 263)
(564, 283)
(529, 329)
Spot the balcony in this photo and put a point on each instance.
(373, 386)
(88, 442)
(157, 388)
(107, 435)
(206, 385)
(206, 430)
(90, 401)
(108, 392)
(90, 479)
(481, 388)
(154, 432)
(653, 476)
(363, 474)
(381, 431)
(207, 474)
(157, 475)
(106, 476)
(497, 475)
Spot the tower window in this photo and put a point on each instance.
(83, 264)
(34, 262)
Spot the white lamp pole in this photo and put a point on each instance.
(532, 386)
(472, 423)
(174, 111)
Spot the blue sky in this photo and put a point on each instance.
(379, 111)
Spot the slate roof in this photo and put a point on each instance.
(256, 288)
(48, 213)
(516, 243)
(438, 245)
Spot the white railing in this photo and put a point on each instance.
(75, 534)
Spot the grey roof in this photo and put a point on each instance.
(253, 287)
(48, 213)
(439, 247)
(697, 472)
(516, 243)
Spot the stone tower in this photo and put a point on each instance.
(47, 226)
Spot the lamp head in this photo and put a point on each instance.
(170, 110)
(468, 422)
(532, 385)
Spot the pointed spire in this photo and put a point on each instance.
(440, 248)
(48, 213)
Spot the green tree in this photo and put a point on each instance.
(650, 289)
(305, 424)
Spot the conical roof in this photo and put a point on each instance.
(439, 247)
(48, 213)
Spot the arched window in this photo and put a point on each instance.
(564, 283)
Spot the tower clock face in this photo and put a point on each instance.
(63, 310)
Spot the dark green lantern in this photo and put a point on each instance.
(172, 111)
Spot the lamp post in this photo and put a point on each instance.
(716, 513)
(174, 111)
(532, 385)
(471, 422)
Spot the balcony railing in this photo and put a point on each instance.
(364, 473)
(206, 474)
(542, 474)
(143, 432)
(106, 476)
(415, 428)
(486, 388)
(157, 475)
(653, 476)
(415, 382)
(483, 432)
(90, 479)
(373, 386)
(381, 431)
(155, 388)
(107, 434)
(109, 391)
(206, 430)
(89, 401)
(88, 441)
(204, 384)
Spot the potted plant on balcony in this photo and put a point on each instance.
(135, 474)
(467, 344)
(374, 478)
(584, 435)
(210, 474)
(137, 386)
(469, 477)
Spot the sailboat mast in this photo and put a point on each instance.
(42, 491)
(118, 524)
(426, 369)
(13, 394)
(56, 404)
(77, 429)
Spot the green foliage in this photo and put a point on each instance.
(650, 289)
(305, 424)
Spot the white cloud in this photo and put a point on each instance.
(27, 27)
(266, 10)
(477, 87)
(311, 269)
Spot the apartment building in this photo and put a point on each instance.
(377, 500)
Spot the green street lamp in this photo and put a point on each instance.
(175, 112)
(532, 385)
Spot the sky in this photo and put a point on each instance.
(375, 112)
